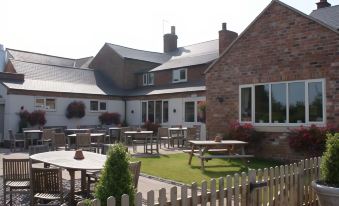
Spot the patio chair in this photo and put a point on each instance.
(16, 177)
(198, 131)
(191, 135)
(83, 141)
(46, 185)
(47, 136)
(14, 140)
(35, 149)
(59, 141)
(163, 135)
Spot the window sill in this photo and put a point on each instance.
(179, 81)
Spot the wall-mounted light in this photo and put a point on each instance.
(132, 111)
(220, 99)
(174, 110)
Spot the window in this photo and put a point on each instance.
(47, 104)
(148, 79)
(294, 102)
(96, 106)
(189, 111)
(179, 75)
(154, 111)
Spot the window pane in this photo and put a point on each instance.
(182, 74)
(39, 103)
(201, 111)
(278, 101)
(158, 115)
(246, 104)
(102, 105)
(94, 105)
(189, 111)
(150, 79)
(315, 99)
(144, 77)
(50, 104)
(262, 103)
(143, 111)
(165, 111)
(296, 102)
(176, 75)
(151, 111)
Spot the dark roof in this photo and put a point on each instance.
(168, 89)
(142, 55)
(47, 59)
(42, 77)
(328, 15)
(195, 54)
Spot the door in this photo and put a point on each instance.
(2, 121)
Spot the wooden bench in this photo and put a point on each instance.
(210, 150)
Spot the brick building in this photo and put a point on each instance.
(280, 73)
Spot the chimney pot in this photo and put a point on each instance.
(323, 4)
(170, 41)
(172, 29)
(224, 27)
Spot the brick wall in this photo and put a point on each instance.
(282, 45)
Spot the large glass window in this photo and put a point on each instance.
(143, 111)
(285, 102)
(154, 111)
(158, 113)
(189, 111)
(165, 111)
(150, 111)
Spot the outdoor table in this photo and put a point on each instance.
(74, 131)
(65, 159)
(94, 137)
(114, 129)
(29, 135)
(178, 133)
(140, 135)
(227, 145)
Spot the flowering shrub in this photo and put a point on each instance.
(311, 140)
(24, 117)
(37, 117)
(109, 118)
(202, 111)
(75, 109)
(243, 132)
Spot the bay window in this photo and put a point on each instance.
(296, 102)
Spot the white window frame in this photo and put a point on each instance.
(148, 79)
(98, 102)
(270, 123)
(162, 110)
(195, 110)
(174, 80)
(44, 106)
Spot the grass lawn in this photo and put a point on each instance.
(175, 167)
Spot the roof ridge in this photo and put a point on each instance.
(135, 49)
(198, 43)
(84, 58)
(41, 54)
(68, 67)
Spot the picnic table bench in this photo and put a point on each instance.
(225, 149)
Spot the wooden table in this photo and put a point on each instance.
(28, 134)
(64, 159)
(145, 136)
(93, 136)
(74, 131)
(178, 133)
(229, 146)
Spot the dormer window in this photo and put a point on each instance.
(179, 75)
(148, 79)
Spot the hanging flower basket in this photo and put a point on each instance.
(75, 109)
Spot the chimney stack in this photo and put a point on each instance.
(170, 41)
(323, 4)
(226, 37)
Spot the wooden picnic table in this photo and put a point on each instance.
(199, 149)
(65, 159)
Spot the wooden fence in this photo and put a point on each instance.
(284, 185)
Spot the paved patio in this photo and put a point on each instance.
(145, 183)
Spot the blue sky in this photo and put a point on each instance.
(79, 28)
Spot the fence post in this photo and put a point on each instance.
(111, 201)
(251, 194)
(150, 198)
(124, 200)
(301, 183)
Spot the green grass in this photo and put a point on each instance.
(175, 167)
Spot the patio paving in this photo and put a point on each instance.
(145, 183)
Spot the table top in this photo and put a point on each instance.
(177, 128)
(211, 142)
(141, 132)
(72, 130)
(33, 131)
(114, 128)
(92, 134)
(65, 159)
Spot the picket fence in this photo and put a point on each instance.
(278, 186)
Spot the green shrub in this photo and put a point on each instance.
(330, 161)
(115, 179)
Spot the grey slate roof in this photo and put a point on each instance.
(41, 77)
(148, 56)
(328, 15)
(48, 59)
(195, 54)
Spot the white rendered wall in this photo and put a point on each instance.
(56, 118)
(3, 97)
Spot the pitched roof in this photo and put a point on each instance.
(194, 54)
(142, 55)
(257, 18)
(47, 59)
(328, 15)
(52, 78)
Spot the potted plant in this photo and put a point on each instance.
(327, 188)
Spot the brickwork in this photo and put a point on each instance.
(281, 45)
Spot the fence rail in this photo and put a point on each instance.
(283, 185)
